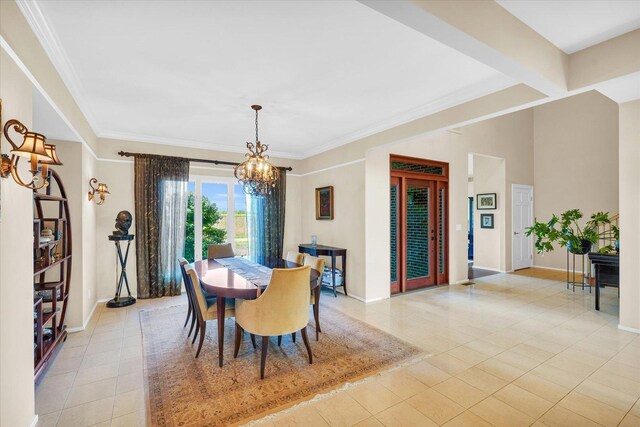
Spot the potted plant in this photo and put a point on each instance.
(565, 231)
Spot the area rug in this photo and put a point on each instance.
(184, 391)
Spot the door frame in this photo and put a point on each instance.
(439, 182)
(513, 188)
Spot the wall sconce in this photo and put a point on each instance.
(102, 191)
(34, 146)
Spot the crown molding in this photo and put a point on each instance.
(465, 94)
(56, 53)
(188, 143)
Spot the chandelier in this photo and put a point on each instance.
(256, 174)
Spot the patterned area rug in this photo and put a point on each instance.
(184, 391)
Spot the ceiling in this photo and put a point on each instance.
(185, 73)
(574, 25)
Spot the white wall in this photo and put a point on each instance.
(629, 176)
(17, 406)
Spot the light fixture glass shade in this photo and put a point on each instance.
(53, 156)
(33, 144)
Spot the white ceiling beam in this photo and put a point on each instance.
(485, 31)
(617, 57)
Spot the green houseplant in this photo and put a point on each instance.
(564, 230)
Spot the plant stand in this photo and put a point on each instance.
(584, 272)
(118, 301)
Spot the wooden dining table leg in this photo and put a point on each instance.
(220, 306)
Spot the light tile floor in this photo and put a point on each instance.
(510, 350)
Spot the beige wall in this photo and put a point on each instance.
(629, 176)
(346, 230)
(16, 265)
(77, 169)
(575, 160)
(489, 244)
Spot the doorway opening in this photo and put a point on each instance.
(419, 223)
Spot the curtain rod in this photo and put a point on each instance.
(215, 162)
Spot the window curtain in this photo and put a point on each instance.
(266, 223)
(161, 211)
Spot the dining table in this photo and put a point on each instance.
(226, 278)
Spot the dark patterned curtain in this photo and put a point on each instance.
(161, 211)
(266, 223)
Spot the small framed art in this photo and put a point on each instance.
(486, 201)
(324, 202)
(486, 220)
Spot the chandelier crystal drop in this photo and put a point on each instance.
(257, 175)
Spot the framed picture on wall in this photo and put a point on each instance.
(486, 201)
(324, 202)
(486, 220)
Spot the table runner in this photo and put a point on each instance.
(253, 272)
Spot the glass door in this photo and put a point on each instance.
(420, 229)
(216, 213)
(395, 235)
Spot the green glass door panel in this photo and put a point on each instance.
(418, 243)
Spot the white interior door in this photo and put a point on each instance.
(522, 211)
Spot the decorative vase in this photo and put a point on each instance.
(617, 246)
(585, 247)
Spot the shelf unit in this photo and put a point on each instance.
(51, 272)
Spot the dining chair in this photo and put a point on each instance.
(317, 264)
(204, 311)
(191, 314)
(295, 257)
(224, 250)
(283, 308)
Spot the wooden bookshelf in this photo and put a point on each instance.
(51, 272)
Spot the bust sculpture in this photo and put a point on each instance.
(123, 223)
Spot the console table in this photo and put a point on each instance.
(607, 272)
(322, 250)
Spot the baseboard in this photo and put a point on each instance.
(549, 268)
(366, 301)
(34, 423)
(628, 329)
(88, 319)
(497, 270)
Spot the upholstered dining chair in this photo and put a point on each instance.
(203, 310)
(283, 308)
(317, 264)
(191, 313)
(224, 250)
(295, 257)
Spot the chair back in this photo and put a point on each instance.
(224, 250)
(182, 261)
(200, 304)
(295, 257)
(316, 263)
(284, 305)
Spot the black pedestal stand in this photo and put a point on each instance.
(117, 301)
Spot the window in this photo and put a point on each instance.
(216, 213)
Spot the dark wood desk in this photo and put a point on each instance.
(220, 281)
(308, 248)
(607, 272)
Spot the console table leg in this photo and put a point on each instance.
(333, 275)
(344, 273)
